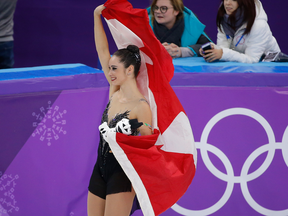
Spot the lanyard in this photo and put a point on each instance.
(228, 37)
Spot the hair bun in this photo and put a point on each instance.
(133, 48)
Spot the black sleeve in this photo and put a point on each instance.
(202, 40)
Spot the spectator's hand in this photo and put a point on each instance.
(201, 52)
(173, 50)
(98, 10)
(212, 54)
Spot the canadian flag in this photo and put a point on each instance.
(160, 166)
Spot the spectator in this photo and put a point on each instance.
(7, 8)
(243, 33)
(177, 28)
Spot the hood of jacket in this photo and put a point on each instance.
(260, 13)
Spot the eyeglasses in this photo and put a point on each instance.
(163, 9)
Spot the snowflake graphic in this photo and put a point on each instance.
(7, 187)
(49, 123)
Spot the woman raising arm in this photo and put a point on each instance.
(110, 190)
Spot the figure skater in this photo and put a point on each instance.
(110, 190)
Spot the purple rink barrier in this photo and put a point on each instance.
(49, 138)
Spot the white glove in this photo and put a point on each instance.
(124, 127)
(104, 129)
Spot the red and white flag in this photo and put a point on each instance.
(160, 166)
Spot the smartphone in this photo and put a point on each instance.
(206, 46)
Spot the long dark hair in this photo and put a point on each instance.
(130, 56)
(248, 11)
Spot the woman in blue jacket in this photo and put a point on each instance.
(177, 28)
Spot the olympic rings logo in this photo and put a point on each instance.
(244, 177)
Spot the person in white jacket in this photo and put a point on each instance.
(243, 33)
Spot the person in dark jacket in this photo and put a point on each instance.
(7, 9)
(177, 28)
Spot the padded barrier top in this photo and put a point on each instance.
(46, 71)
(50, 78)
(195, 71)
(199, 65)
(192, 71)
